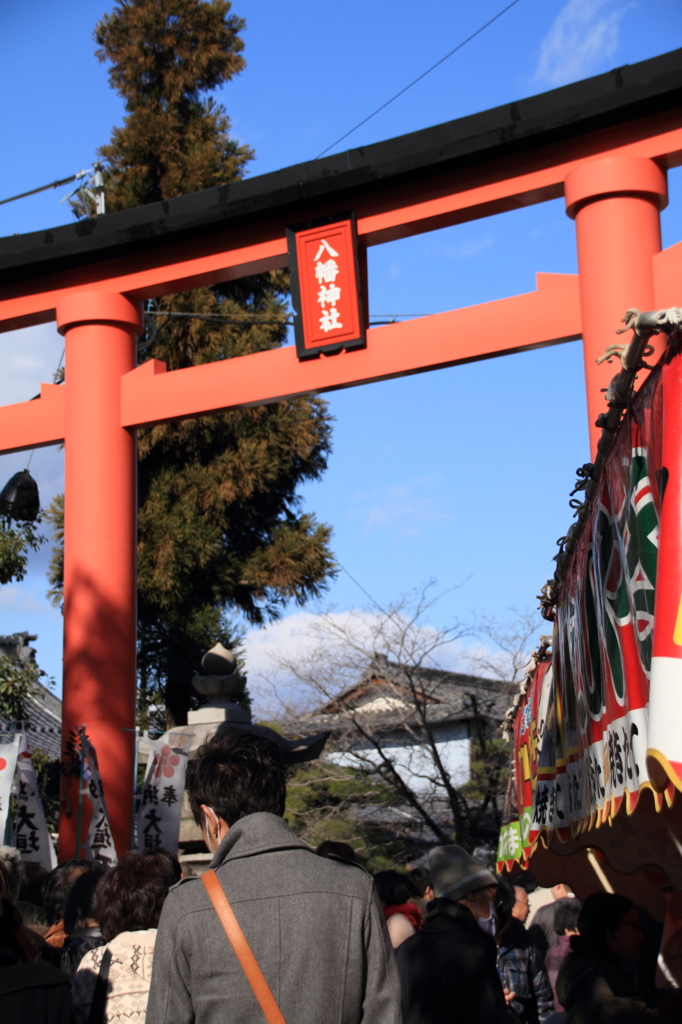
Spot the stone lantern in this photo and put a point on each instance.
(219, 681)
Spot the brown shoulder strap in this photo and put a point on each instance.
(242, 949)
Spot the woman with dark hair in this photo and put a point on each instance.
(55, 892)
(171, 859)
(396, 892)
(82, 929)
(128, 902)
(30, 989)
(592, 984)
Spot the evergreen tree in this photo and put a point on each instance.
(166, 56)
(220, 525)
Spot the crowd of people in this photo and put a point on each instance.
(278, 932)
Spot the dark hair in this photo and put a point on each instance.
(566, 915)
(32, 881)
(421, 878)
(58, 885)
(236, 775)
(10, 923)
(32, 914)
(129, 897)
(504, 899)
(169, 858)
(601, 913)
(330, 847)
(394, 888)
(80, 903)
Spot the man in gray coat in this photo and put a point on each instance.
(315, 924)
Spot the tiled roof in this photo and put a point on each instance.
(380, 694)
(44, 723)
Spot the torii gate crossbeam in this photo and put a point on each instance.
(604, 144)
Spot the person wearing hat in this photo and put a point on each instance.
(447, 970)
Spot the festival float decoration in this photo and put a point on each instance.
(597, 751)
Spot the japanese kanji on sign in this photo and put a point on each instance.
(160, 805)
(325, 287)
(99, 844)
(31, 836)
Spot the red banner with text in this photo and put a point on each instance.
(581, 728)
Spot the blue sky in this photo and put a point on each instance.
(463, 474)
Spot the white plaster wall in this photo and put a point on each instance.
(452, 743)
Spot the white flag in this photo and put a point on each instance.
(99, 844)
(160, 807)
(31, 836)
(8, 762)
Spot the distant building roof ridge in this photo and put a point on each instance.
(43, 724)
(448, 698)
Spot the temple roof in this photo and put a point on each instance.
(43, 724)
(383, 694)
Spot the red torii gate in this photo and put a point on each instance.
(605, 144)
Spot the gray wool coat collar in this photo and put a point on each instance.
(257, 833)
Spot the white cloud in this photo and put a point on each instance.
(459, 247)
(403, 509)
(583, 33)
(21, 598)
(292, 638)
(474, 246)
(287, 634)
(288, 638)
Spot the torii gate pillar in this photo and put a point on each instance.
(616, 204)
(100, 538)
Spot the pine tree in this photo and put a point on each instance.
(166, 55)
(220, 525)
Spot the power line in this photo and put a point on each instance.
(264, 318)
(365, 592)
(44, 188)
(423, 75)
(221, 318)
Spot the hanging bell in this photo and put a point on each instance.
(19, 498)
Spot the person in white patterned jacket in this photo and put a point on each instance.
(116, 977)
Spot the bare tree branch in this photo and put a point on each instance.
(513, 637)
(374, 679)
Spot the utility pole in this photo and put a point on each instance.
(98, 190)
